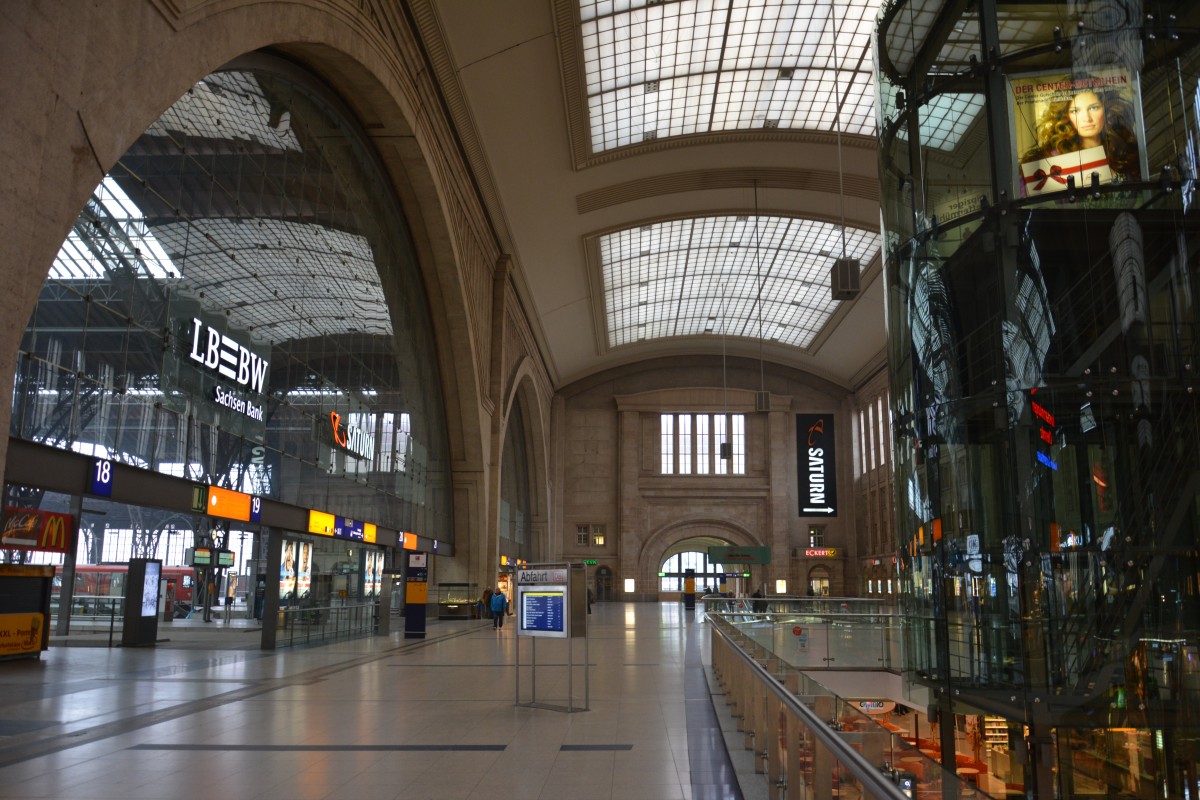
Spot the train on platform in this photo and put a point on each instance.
(97, 584)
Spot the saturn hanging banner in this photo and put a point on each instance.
(816, 465)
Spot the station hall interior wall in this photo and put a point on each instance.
(67, 125)
(608, 467)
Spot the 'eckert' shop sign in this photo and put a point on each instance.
(816, 465)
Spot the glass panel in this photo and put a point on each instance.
(739, 444)
(667, 437)
(764, 277)
(685, 444)
(217, 313)
(659, 69)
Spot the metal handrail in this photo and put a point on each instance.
(871, 777)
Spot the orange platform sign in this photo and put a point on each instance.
(228, 504)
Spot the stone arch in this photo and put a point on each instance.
(77, 123)
(653, 548)
(522, 387)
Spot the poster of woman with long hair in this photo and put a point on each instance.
(1076, 129)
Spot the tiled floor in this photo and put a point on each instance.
(369, 719)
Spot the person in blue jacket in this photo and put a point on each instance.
(499, 605)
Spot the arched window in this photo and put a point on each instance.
(514, 483)
(673, 569)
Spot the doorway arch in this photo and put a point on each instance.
(710, 576)
(818, 581)
(604, 585)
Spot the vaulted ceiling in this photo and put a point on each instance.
(675, 177)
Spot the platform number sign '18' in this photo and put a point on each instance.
(101, 477)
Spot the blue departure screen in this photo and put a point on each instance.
(542, 610)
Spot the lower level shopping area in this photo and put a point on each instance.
(823, 682)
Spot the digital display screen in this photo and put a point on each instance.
(150, 588)
(202, 557)
(225, 558)
(542, 610)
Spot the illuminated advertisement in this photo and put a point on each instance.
(150, 581)
(817, 465)
(372, 573)
(31, 529)
(223, 366)
(1076, 130)
(287, 570)
(21, 633)
(304, 570)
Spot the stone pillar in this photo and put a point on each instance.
(781, 477)
(630, 534)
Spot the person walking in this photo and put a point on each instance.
(499, 604)
(485, 605)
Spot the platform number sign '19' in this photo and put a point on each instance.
(256, 509)
(101, 477)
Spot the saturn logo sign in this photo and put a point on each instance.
(357, 441)
(339, 433)
(817, 470)
(815, 431)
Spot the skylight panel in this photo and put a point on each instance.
(687, 67)
(128, 240)
(765, 277)
(228, 106)
(946, 118)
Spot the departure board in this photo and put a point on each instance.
(542, 610)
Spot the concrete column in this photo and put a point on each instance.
(630, 534)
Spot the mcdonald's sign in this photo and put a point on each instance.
(31, 529)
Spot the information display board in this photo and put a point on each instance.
(141, 603)
(542, 610)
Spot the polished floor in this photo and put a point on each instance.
(380, 718)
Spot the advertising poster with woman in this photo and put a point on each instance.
(287, 572)
(304, 574)
(374, 568)
(1076, 128)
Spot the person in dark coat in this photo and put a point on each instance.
(499, 606)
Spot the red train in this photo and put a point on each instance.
(96, 583)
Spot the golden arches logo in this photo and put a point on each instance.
(54, 533)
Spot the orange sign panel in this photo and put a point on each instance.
(320, 522)
(228, 504)
(21, 633)
(31, 529)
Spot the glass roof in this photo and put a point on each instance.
(84, 256)
(706, 276)
(659, 68)
(289, 261)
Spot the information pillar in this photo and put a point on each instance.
(416, 595)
